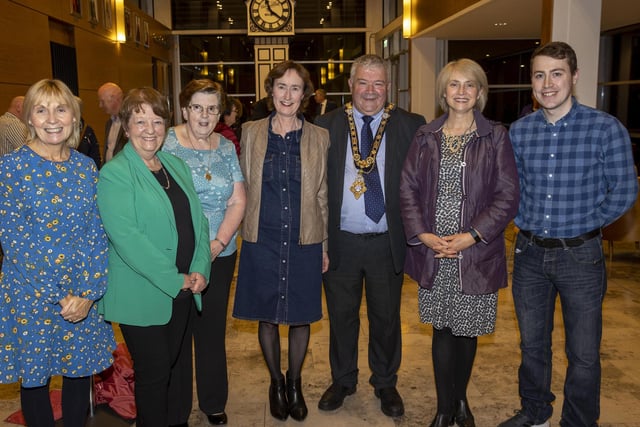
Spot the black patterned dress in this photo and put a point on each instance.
(444, 305)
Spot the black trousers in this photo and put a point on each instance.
(209, 332)
(365, 263)
(157, 353)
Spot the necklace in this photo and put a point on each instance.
(205, 164)
(358, 187)
(455, 142)
(166, 177)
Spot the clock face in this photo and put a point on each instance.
(270, 15)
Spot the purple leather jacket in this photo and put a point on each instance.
(489, 201)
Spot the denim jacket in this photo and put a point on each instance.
(490, 197)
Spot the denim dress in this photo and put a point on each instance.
(280, 280)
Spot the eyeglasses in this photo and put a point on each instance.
(198, 109)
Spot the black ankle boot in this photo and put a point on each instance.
(297, 407)
(442, 420)
(464, 417)
(278, 399)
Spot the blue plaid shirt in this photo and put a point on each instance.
(576, 175)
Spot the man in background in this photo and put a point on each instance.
(323, 105)
(110, 99)
(13, 131)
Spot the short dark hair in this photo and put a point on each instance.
(144, 95)
(278, 71)
(557, 50)
(230, 103)
(201, 86)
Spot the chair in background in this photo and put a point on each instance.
(624, 229)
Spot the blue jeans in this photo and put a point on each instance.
(578, 275)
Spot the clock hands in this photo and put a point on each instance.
(271, 11)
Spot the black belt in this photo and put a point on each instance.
(561, 243)
(366, 235)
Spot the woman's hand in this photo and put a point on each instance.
(75, 309)
(459, 242)
(325, 262)
(216, 248)
(438, 244)
(195, 282)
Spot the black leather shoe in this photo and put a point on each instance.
(278, 399)
(463, 416)
(217, 419)
(442, 420)
(297, 406)
(333, 397)
(390, 401)
(180, 425)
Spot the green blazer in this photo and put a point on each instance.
(140, 223)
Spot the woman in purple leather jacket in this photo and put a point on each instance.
(458, 191)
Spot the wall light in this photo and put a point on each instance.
(121, 35)
(407, 19)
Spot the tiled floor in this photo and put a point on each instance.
(493, 392)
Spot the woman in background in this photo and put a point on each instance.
(458, 191)
(159, 257)
(220, 186)
(55, 262)
(227, 126)
(284, 161)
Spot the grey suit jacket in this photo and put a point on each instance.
(399, 133)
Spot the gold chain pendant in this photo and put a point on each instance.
(358, 187)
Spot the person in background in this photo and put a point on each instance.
(55, 266)
(576, 176)
(366, 239)
(88, 145)
(458, 192)
(323, 105)
(220, 186)
(110, 100)
(284, 232)
(159, 259)
(226, 126)
(260, 109)
(13, 131)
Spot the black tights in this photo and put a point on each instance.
(36, 405)
(269, 337)
(452, 363)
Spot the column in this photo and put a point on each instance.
(577, 22)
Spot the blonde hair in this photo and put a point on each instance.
(52, 90)
(468, 68)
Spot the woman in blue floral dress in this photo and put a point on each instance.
(55, 262)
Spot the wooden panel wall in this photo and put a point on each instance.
(27, 27)
(24, 51)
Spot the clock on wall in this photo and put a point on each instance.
(270, 17)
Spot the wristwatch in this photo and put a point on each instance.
(475, 235)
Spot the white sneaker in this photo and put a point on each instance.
(544, 424)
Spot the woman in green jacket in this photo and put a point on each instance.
(159, 256)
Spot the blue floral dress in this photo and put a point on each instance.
(54, 245)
